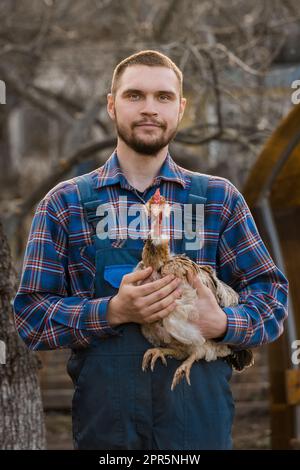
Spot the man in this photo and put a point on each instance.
(78, 289)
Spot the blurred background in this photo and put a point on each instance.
(240, 60)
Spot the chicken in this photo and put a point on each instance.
(175, 335)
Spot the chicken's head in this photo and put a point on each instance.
(158, 211)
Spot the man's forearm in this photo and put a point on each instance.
(47, 321)
(250, 327)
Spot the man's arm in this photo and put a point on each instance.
(46, 316)
(245, 264)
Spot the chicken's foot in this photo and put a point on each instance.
(154, 353)
(184, 369)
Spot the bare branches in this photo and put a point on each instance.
(34, 47)
(241, 135)
(215, 84)
(63, 167)
(163, 16)
(234, 60)
(31, 94)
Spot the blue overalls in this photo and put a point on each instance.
(118, 406)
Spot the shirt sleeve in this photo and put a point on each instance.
(246, 265)
(45, 316)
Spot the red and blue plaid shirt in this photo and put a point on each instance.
(55, 305)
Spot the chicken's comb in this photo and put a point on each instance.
(156, 198)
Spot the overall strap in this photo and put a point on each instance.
(86, 189)
(90, 200)
(196, 195)
(198, 188)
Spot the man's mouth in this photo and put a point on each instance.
(147, 125)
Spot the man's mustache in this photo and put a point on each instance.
(155, 123)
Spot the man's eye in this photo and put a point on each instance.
(165, 97)
(133, 95)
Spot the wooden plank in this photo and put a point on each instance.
(251, 391)
(57, 399)
(271, 153)
(292, 383)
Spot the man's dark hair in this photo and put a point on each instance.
(149, 58)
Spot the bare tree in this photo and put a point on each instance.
(21, 417)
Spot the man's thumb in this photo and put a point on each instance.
(195, 282)
(137, 275)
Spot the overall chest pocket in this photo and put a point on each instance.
(113, 274)
(111, 265)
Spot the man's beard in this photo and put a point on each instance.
(142, 146)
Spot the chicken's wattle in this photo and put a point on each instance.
(156, 198)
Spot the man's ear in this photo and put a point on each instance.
(111, 106)
(182, 108)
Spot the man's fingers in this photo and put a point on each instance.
(162, 313)
(153, 286)
(162, 292)
(137, 275)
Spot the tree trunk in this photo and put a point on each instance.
(21, 410)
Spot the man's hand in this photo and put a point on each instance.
(212, 319)
(145, 303)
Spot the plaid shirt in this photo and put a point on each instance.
(55, 305)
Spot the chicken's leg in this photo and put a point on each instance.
(155, 353)
(184, 369)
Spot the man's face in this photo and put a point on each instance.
(147, 108)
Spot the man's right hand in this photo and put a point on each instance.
(145, 303)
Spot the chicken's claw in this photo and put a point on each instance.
(153, 354)
(182, 370)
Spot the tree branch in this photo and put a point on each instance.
(62, 168)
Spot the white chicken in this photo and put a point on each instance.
(176, 336)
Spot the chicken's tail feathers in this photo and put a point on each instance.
(241, 360)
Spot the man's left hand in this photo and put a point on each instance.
(212, 320)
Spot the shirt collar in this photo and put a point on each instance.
(111, 173)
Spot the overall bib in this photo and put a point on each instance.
(118, 406)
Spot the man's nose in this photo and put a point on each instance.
(149, 106)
